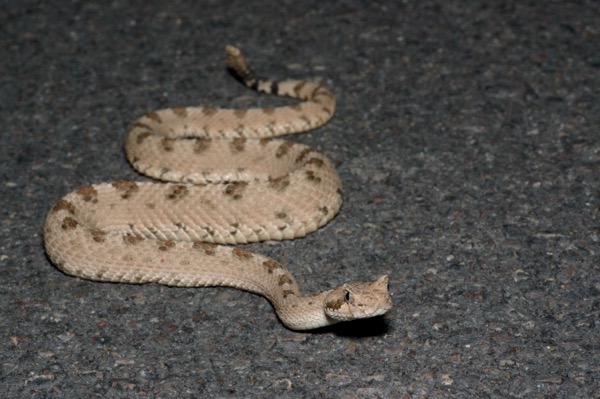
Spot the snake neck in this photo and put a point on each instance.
(304, 312)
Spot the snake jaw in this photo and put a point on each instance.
(359, 300)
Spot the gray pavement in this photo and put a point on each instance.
(467, 138)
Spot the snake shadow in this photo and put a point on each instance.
(373, 327)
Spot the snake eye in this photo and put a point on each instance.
(347, 296)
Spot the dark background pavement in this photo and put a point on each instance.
(467, 138)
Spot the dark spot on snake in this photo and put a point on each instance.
(180, 112)
(285, 279)
(155, 117)
(201, 145)
(240, 113)
(208, 248)
(271, 265)
(237, 144)
(209, 231)
(274, 88)
(327, 110)
(141, 125)
(132, 239)
(242, 253)
(284, 148)
(88, 194)
(298, 88)
(310, 175)
(167, 144)
(335, 305)
(304, 153)
(279, 183)
(64, 204)
(240, 130)
(209, 111)
(166, 245)
(142, 136)
(177, 192)
(235, 190)
(307, 121)
(127, 188)
(69, 223)
(98, 235)
(315, 161)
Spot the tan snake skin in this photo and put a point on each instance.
(229, 183)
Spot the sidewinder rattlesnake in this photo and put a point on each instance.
(229, 182)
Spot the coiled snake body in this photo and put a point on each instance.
(230, 182)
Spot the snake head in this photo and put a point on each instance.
(359, 300)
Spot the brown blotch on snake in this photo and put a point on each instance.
(88, 193)
(242, 253)
(279, 183)
(208, 248)
(287, 293)
(284, 148)
(284, 279)
(98, 235)
(225, 190)
(180, 112)
(316, 162)
(271, 265)
(69, 223)
(132, 239)
(304, 153)
(240, 113)
(167, 144)
(166, 245)
(238, 144)
(201, 145)
(209, 111)
(155, 117)
(127, 188)
(142, 136)
(64, 205)
(177, 192)
(235, 190)
(310, 175)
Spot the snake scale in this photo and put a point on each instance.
(227, 181)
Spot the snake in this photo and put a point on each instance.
(222, 177)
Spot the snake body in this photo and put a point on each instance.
(229, 182)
